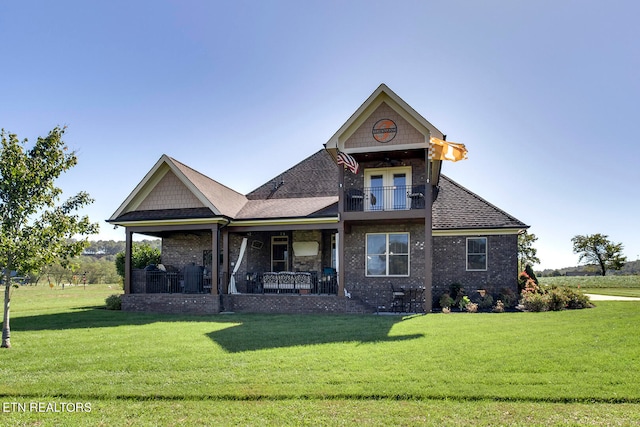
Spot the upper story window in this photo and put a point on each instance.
(387, 189)
(477, 253)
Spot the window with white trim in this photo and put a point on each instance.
(387, 254)
(476, 253)
(387, 189)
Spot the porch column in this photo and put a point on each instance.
(340, 258)
(428, 239)
(127, 261)
(214, 259)
(340, 236)
(225, 262)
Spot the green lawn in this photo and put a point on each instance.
(626, 286)
(553, 368)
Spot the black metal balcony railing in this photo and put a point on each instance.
(177, 282)
(392, 198)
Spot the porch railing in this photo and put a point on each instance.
(391, 198)
(179, 282)
(174, 282)
(286, 282)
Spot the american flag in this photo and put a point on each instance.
(348, 161)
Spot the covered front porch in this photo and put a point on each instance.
(272, 265)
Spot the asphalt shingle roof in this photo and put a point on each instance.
(310, 189)
(459, 208)
(287, 208)
(226, 200)
(315, 176)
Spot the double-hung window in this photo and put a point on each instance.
(387, 254)
(476, 253)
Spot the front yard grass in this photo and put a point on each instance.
(553, 368)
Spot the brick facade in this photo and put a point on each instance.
(293, 304)
(376, 291)
(180, 249)
(214, 304)
(174, 188)
(449, 265)
(202, 304)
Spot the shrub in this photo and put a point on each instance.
(486, 302)
(464, 301)
(113, 302)
(446, 301)
(576, 299)
(456, 291)
(499, 307)
(508, 297)
(471, 307)
(557, 299)
(533, 301)
(446, 310)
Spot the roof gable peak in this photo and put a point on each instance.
(383, 94)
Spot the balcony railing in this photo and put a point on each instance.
(392, 198)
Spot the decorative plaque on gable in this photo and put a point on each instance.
(384, 130)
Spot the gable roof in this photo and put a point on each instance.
(381, 95)
(214, 198)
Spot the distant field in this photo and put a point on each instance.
(628, 286)
(462, 369)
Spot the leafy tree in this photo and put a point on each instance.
(597, 249)
(34, 229)
(142, 255)
(527, 254)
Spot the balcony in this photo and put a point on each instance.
(384, 199)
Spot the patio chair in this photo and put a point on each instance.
(398, 302)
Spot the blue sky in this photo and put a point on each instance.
(544, 94)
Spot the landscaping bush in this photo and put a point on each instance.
(557, 299)
(533, 301)
(486, 302)
(508, 297)
(113, 302)
(471, 307)
(576, 299)
(499, 307)
(456, 291)
(464, 301)
(446, 301)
